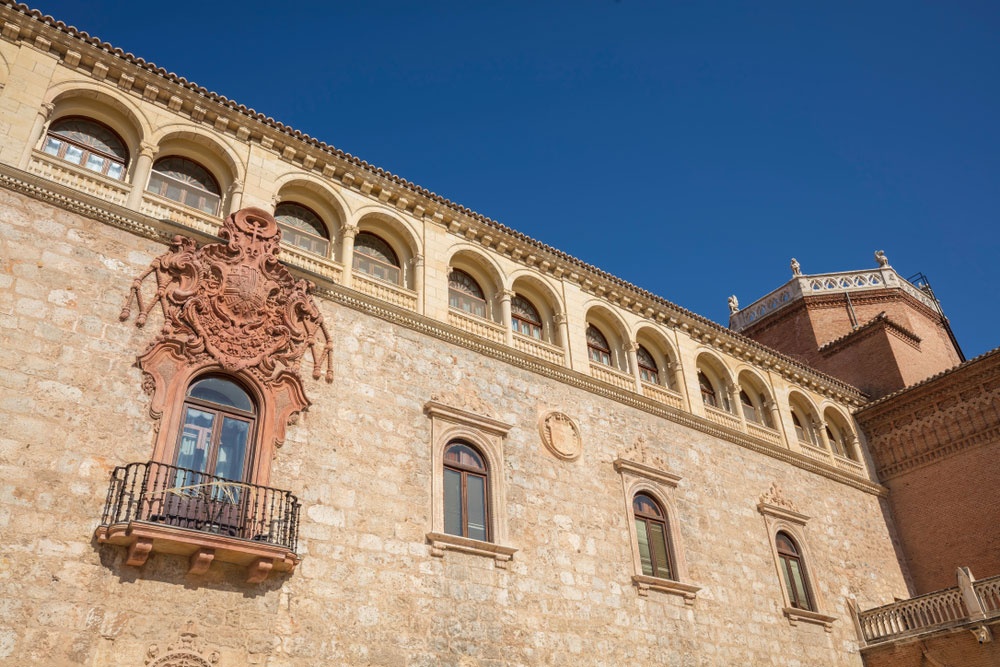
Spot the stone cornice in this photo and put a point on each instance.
(100, 60)
(163, 230)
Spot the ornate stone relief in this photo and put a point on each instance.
(230, 306)
(560, 435)
(640, 454)
(186, 651)
(235, 303)
(774, 496)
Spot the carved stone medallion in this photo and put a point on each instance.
(560, 435)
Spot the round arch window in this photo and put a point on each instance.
(648, 371)
(376, 258)
(524, 317)
(186, 182)
(651, 532)
(89, 144)
(303, 228)
(466, 509)
(465, 294)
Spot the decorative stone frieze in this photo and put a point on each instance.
(186, 651)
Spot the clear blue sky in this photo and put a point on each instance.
(690, 148)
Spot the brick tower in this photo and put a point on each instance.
(871, 328)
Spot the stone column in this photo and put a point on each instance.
(735, 408)
(562, 326)
(233, 197)
(140, 175)
(505, 297)
(417, 264)
(44, 113)
(772, 408)
(633, 362)
(347, 234)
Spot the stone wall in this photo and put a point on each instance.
(369, 591)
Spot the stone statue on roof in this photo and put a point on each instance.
(796, 269)
(883, 261)
(734, 305)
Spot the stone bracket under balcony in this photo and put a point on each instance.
(201, 548)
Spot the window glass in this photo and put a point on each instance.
(793, 572)
(648, 371)
(185, 182)
(466, 508)
(708, 396)
(376, 258)
(652, 536)
(524, 318)
(221, 391)
(749, 410)
(302, 228)
(597, 346)
(87, 143)
(465, 294)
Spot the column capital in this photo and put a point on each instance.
(630, 346)
(45, 111)
(348, 230)
(560, 318)
(147, 149)
(506, 294)
(236, 186)
(417, 261)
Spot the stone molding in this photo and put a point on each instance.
(645, 584)
(163, 230)
(441, 542)
(881, 322)
(185, 99)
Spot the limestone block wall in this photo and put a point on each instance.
(369, 591)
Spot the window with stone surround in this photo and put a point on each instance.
(657, 554)
(186, 182)
(89, 144)
(468, 489)
(302, 227)
(786, 535)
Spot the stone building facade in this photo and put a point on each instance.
(652, 488)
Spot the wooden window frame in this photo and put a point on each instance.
(360, 258)
(465, 472)
(462, 296)
(647, 373)
(519, 322)
(185, 187)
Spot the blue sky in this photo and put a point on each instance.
(690, 148)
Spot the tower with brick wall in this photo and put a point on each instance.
(871, 328)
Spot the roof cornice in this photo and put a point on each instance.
(83, 53)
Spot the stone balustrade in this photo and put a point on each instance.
(724, 418)
(970, 602)
(380, 289)
(540, 349)
(167, 209)
(477, 326)
(612, 376)
(78, 178)
(662, 394)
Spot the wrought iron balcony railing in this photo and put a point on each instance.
(155, 507)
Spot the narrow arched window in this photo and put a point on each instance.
(524, 318)
(708, 395)
(465, 294)
(750, 411)
(654, 538)
(303, 228)
(466, 510)
(794, 572)
(186, 182)
(648, 371)
(597, 346)
(836, 442)
(376, 258)
(89, 144)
